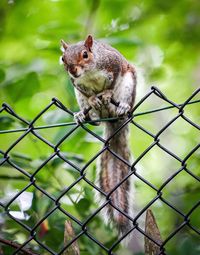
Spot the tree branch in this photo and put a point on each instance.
(16, 246)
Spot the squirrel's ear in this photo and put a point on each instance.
(64, 45)
(89, 42)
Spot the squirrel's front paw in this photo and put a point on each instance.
(123, 109)
(79, 117)
(95, 102)
(106, 97)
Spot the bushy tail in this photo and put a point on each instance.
(113, 171)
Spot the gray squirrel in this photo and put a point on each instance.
(100, 74)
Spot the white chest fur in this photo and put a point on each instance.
(124, 88)
(95, 80)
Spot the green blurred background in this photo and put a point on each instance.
(162, 38)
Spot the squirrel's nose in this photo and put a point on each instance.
(73, 70)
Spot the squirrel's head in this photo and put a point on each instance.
(78, 58)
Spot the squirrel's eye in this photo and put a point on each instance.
(85, 54)
(63, 60)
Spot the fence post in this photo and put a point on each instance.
(152, 230)
(69, 234)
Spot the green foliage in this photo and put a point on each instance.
(162, 38)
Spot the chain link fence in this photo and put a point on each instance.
(80, 166)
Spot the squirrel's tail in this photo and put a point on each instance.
(113, 169)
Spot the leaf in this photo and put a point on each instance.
(7, 250)
(25, 200)
(21, 159)
(20, 215)
(55, 116)
(6, 122)
(24, 87)
(83, 205)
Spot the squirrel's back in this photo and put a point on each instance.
(109, 57)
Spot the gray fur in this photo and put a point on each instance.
(106, 70)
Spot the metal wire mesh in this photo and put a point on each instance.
(31, 127)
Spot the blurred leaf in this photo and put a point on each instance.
(25, 200)
(6, 122)
(19, 215)
(83, 206)
(23, 88)
(7, 250)
(2, 75)
(187, 246)
(55, 116)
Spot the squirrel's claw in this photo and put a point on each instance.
(122, 109)
(106, 96)
(95, 102)
(79, 117)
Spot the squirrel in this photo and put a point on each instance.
(100, 74)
